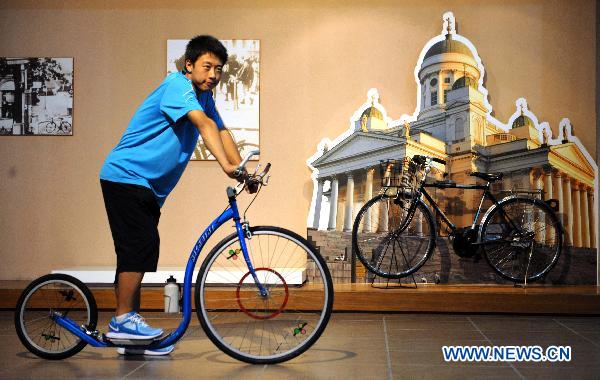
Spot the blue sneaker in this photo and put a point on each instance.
(133, 327)
(140, 351)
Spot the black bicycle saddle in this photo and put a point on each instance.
(490, 177)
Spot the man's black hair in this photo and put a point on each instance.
(200, 45)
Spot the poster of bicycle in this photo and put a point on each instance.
(36, 96)
(236, 96)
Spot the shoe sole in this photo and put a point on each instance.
(116, 335)
(133, 351)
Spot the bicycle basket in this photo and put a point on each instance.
(403, 173)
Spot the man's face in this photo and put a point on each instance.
(205, 73)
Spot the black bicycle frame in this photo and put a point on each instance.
(486, 194)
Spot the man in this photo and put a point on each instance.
(147, 163)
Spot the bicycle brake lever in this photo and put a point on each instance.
(256, 170)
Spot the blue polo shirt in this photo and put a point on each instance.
(160, 139)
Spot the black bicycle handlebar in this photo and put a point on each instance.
(422, 159)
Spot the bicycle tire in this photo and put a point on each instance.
(65, 127)
(261, 330)
(45, 295)
(406, 231)
(51, 128)
(525, 255)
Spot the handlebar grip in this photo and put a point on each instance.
(438, 160)
(267, 167)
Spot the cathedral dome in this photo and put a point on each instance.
(372, 119)
(522, 121)
(448, 45)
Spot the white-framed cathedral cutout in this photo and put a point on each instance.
(453, 121)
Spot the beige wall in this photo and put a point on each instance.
(318, 60)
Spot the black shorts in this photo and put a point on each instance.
(133, 215)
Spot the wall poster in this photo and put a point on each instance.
(237, 96)
(36, 96)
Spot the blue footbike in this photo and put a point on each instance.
(263, 295)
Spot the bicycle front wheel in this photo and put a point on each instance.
(391, 238)
(522, 239)
(45, 297)
(266, 329)
(51, 127)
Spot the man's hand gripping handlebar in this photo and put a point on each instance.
(252, 182)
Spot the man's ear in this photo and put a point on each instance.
(187, 68)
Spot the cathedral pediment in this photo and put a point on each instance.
(356, 145)
(570, 155)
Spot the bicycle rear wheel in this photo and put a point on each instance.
(50, 294)
(522, 239)
(257, 329)
(391, 239)
(65, 127)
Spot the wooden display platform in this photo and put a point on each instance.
(535, 299)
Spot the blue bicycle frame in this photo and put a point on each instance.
(230, 212)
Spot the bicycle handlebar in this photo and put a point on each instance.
(242, 166)
(422, 159)
(251, 180)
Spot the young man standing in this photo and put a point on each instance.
(147, 163)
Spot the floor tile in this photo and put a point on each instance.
(354, 346)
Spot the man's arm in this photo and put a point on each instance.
(213, 140)
(231, 150)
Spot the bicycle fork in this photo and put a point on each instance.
(243, 232)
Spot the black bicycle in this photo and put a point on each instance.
(55, 126)
(394, 233)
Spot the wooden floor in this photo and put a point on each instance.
(535, 299)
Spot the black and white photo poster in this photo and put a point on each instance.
(36, 96)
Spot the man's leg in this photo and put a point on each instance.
(133, 214)
(128, 292)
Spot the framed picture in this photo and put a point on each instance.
(36, 96)
(237, 96)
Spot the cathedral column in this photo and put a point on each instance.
(548, 194)
(538, 223)
(333, 200)
(585, 218)
(568, 209)
(367, 225)
(383, 215)
(560, 197)
(427, 93)
(440, 91)
(576, 214)
(318, 203)
(592, 218)
(540, 234)
(349, 203)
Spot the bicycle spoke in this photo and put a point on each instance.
(395, 228)
(259, 327)
(55, 293)
(526, 250)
